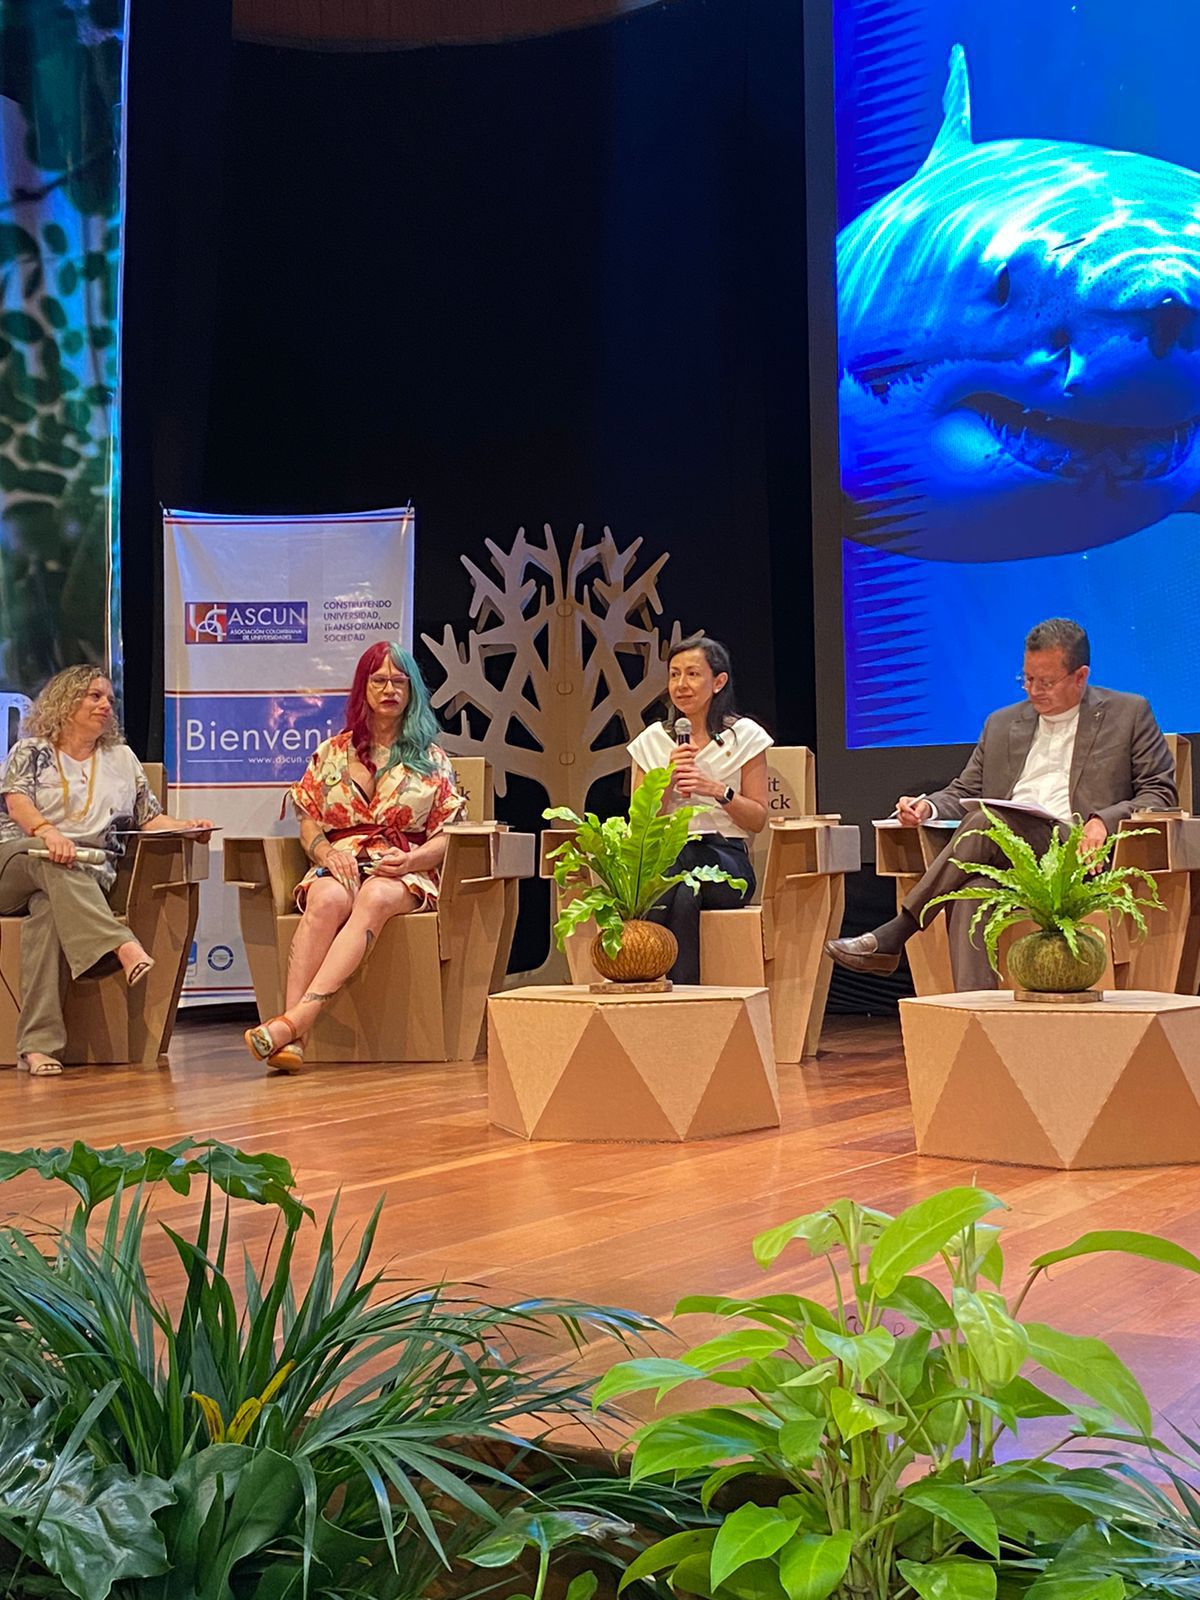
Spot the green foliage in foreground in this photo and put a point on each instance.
(266, 1429)
(868, 1428)
(630, 860)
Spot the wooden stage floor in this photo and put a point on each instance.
(634, 1225)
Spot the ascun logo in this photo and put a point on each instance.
(245, 622)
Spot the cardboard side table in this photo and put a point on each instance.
(1109, 1085)
(564, 1063)
(779, 943)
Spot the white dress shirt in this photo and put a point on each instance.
(1046, 776)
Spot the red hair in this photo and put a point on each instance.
(418, 729)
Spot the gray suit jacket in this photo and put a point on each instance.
(1121, 762)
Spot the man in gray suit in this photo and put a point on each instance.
(1068, 748)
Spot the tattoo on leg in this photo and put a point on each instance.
(316, 998)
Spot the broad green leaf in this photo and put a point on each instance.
(918, 1234)
(699, 1439)
(582, 1586)
(1078, 1586)
(766, 1375)
(921, 1302)
(1025, 1399)
(96, 1175)
(785, 1312)
(717, 1480)
(751, 1533)
(955, 1504)
(669, 1552)
(906, 1364)
(1119, 1239)
(999, 1344)
(650, 1372)
(748, 1344)
(712, 1305)
(1028, 1507)
(991, 1262)
(813, 1564)
(797, 1308)
(810, 1377)
(690, 1577)
(1090, 1366)
(855, 1415)
(800, 1440)
(818, 1230)
(91, 1527)
(862, 1353)
(950, 1580)
(499, 1549)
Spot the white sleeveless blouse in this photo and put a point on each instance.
(722, 762)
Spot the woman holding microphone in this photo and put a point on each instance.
(719, 763)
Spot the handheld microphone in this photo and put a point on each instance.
(683, 730)
(86, 855)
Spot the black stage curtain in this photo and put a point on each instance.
(177, 132)
(558, 280)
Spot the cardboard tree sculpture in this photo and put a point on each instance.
(583, 653)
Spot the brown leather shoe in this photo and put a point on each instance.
(861, 955)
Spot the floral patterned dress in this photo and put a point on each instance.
(406, 809)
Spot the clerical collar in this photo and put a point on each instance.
(1059, 717)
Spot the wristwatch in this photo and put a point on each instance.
(723, 800)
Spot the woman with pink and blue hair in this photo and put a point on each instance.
(372, 806)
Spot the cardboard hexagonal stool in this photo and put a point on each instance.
(566, 1063)
(1115, 1084)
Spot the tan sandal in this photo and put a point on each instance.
(289, 1057)
(38, 1065)
(261, 1045)
(136, 973)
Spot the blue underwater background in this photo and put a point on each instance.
(932, 646)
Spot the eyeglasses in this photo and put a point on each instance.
(1040, 685)
(380, 681)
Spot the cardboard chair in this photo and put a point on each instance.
(157, 893)
(422, 994)
(1166, 960)
(800, 861)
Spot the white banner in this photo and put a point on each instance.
(265, 620)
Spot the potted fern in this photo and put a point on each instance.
(625, 863)
(1056, 892)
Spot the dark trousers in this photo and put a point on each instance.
(680, 909)
(968, 958)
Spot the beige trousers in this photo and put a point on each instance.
(69, 924)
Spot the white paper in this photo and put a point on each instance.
(934, 822)
(1023, 807)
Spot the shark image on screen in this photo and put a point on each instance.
(1019, 348)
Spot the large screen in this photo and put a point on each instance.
(1017, 197)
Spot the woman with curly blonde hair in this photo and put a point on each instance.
(72, 789)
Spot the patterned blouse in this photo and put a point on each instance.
(406, 809)
(93, 802)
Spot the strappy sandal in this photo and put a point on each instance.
(41, 1067)
(136, 973)
(289, 1057)
(261, 1045)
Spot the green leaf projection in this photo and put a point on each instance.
(61, 65)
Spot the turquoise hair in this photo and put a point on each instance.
(419, 728)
